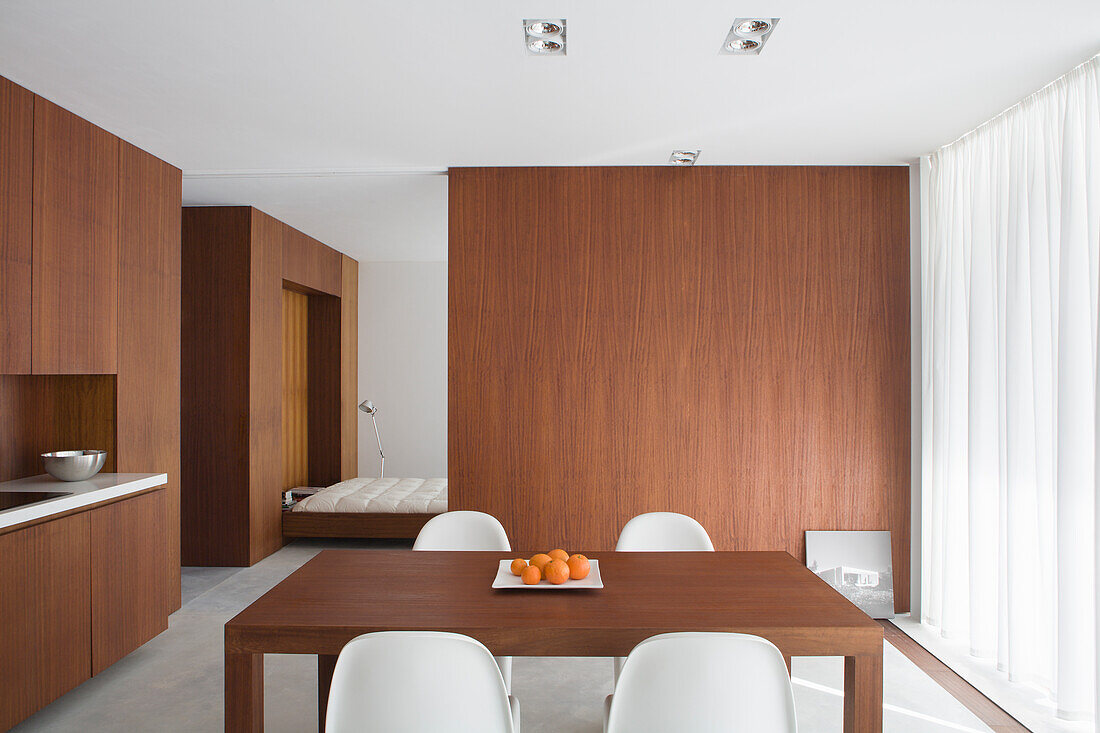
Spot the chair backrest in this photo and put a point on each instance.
(703, 682)
(417, 681)
(463, 531)
(663, 532)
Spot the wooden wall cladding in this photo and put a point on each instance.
(731, 343)
(148, 414)
(130, 592)
(215, 511)
(265, 378)
(349, 368)
(74, 293)
(56, 412)
(45, 649)
(295, 389)
(324, 390)
(16, 166)
(309, 263)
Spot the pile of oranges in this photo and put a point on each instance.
(556, 566)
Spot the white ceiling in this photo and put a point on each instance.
(252, 85)
(377, 218)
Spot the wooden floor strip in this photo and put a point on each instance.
(985, 709)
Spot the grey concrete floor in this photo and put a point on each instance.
(174, 682)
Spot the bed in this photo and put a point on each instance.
(368, 508)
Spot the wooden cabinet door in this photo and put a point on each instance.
(16, 139)
(129, 580)
(74, 291)
(148, 381)
(44, 606)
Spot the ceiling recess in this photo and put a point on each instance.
(748, 36)
(544, 36)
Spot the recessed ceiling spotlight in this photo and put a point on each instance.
(683, 157)
(747, 36)
(544, 36)
(742, 44)
(543, 28)
(754, 27)
(544, 46)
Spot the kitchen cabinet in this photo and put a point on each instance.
(45, 602)
(16, 119)
(74, 288)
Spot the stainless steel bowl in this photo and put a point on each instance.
(74, 465)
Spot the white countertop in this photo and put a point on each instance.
(101, 487)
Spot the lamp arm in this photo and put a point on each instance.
(378, 438)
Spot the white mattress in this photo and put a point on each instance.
(380, 496)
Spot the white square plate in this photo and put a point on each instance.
(505, 579)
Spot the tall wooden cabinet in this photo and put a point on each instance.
(237, 261)
(89, 299)
(16, 166)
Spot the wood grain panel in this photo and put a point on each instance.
(215, 507)
(731, 343)
(150, 195)
(265, 413)
(74, 292)
(349, 368)
(16, 166)
(295, 389)
(49, 413)
(129, 587)
(310, 263)
(324, 390)
(44, 603)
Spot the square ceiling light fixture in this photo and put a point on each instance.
(544, 36)
(747, 36)
(684, 157)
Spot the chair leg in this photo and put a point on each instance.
(505, 664)
(513, 704)
(618, 668)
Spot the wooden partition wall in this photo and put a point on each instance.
(731, 343)
(266, 344)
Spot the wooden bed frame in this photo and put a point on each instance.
(353, 524)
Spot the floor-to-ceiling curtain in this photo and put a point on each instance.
(1009, 388)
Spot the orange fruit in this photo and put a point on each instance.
(518, 565)
(557, 572)
(540, 561)
(579, 567)
(531, 575)
(558, 555)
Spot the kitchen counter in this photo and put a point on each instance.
(101, 487)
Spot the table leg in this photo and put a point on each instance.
(326, 663)
(244, 692)
(863, 694)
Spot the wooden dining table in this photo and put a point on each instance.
(340, 594)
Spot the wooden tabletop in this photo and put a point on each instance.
(342, 593)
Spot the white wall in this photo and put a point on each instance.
(403, 366)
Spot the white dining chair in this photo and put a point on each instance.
(661, 532)
(470, 531)
(463, 531)
(702, 682)
(418, 682)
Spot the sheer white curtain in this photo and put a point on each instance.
(1010, 414)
